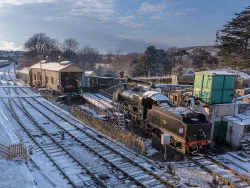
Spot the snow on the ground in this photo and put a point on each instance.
(150, 150)
(7, 132)
(235, 162)
(15, 174)
(195, 177)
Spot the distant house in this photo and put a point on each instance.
(87, 78)
(56, 75)
(103, 66)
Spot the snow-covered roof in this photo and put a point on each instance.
(218, 72)
(177, 110)
(24, 70)
(157, 96)
(240, 119)
(88, 73)
(229, 72)
(4, 61)
(53, 66)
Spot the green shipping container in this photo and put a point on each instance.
(214, 87)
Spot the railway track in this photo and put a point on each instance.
(224, 173)
(227, 175)
(135, 171)
(105, 94)
(71, 169)
(117, 160)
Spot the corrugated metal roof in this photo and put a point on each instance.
(239, 119)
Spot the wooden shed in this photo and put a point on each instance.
(56, 75)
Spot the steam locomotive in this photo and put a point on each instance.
(189, 130)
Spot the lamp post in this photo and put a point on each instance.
(41, 51)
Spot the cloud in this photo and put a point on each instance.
(127, 21)
(6, 45)
(21, 2)
(148, 7)
(101, 9)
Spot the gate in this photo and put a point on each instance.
(14, 150)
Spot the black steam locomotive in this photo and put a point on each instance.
(189, 130)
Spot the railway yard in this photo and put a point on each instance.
(66, 152)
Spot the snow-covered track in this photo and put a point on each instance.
(227, 175)
(105, 94)
(54, 149)
(141, 175)
(230, 177)
(135, 167)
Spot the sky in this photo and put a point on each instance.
(112, 25)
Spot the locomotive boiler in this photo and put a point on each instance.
(189, 130)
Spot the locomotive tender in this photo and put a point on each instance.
(189, 130)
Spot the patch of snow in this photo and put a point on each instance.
(176, 110)
(7, 132)
(155, 96)
(15, 174)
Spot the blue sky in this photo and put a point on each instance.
(109, 25)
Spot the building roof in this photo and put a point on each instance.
(240, 119)
(57, 66)
(216, 72)
(89, 73)
(24, 70)
(157, 96)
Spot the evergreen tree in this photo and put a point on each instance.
(234, 39)
(154, 62)
(150, 60)
(202, 58)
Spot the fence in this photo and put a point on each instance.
(14, 150)
(111, 130)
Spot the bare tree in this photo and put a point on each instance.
(71, 44)
(41, 45)
(70, 47)
(88, 57)
(38, 47)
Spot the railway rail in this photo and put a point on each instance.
(76, 174)
(53, 149)
(137, 172)
(229, 176)
(105, 94)
(100, 147)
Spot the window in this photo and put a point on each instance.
(175, 98)
(34, 77)
(46, 79)
(52, 80)
(247, 129)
